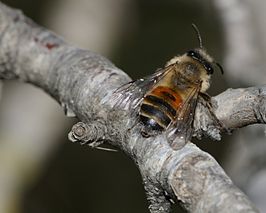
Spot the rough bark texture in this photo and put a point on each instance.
(83, 82)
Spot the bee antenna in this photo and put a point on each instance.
(220, 67)
(198, 34)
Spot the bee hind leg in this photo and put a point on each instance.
(147, 131)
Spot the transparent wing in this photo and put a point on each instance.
(180, 131)
(130, 95)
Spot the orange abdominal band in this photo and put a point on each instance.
(168, 95)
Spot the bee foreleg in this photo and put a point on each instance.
(206, 97)
(206, 100)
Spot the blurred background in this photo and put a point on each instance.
(41, 171)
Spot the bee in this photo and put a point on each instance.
(166, 100)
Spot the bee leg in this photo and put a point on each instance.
(147, 132)
(144, 134)
(206, 97)
(208, 103)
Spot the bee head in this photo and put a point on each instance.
(201, 55)
(203, 58)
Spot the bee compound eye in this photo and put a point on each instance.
(195, 55)
(209, 70)
(191, 53)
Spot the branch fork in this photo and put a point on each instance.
(83, 80)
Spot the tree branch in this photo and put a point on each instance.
(243, 43)
(83, 82)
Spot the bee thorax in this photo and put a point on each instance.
(205, 83)
(174, 60)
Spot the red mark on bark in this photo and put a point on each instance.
(47, 45)
(51, 46)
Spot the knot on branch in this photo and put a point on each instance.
(92, 134)
(78, 132)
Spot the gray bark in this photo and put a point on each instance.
(83, 82)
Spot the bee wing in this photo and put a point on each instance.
(130, 95)
(180, 131)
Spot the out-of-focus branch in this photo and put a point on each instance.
(1, 85)
(82, 82)
(92, 23)
(244, 49)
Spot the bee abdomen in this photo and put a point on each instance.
(151, 123)
(153, 117)
(162, 104)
